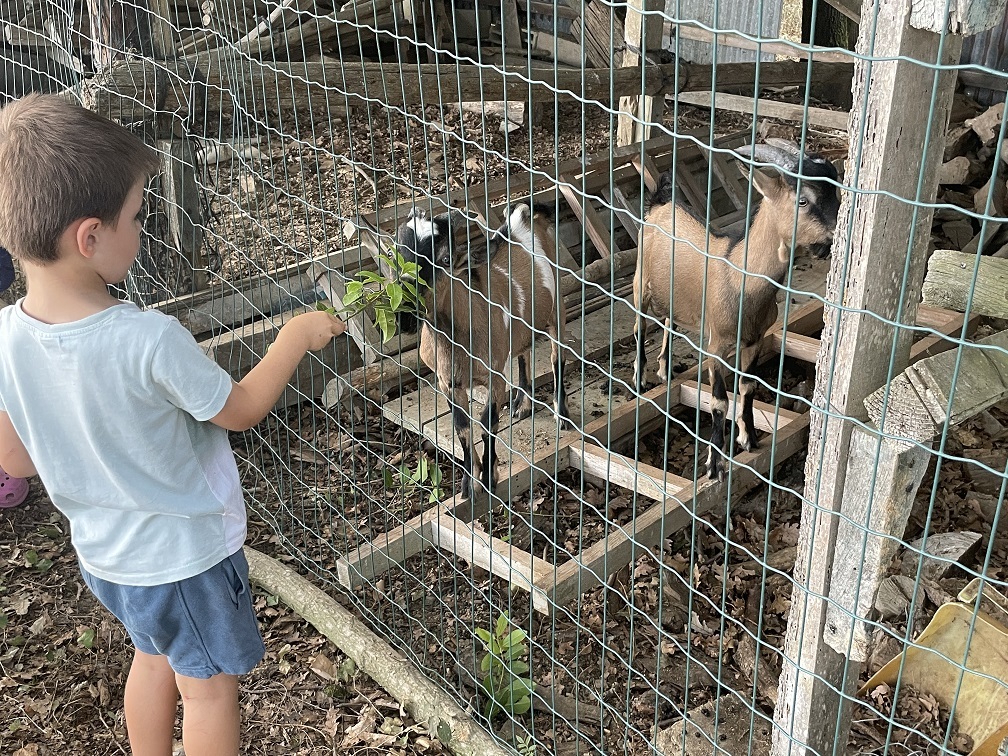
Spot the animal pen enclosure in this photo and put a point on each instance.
(844, 586)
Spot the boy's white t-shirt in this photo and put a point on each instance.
(111, 409)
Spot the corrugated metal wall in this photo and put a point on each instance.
(742, 15)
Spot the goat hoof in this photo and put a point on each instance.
(520, 413)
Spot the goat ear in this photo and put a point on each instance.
(768, 183)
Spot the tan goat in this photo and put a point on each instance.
(704, 273)
(484, 305)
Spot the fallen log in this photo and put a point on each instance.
(426, 702)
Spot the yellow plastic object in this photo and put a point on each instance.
(932, 665)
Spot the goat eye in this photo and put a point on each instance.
(802, 201)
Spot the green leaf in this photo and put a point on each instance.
(519, 668)
(387, 478)
(394, 293)
(514, 638)
(484, 662)
(31, 556)
(435, 476)
(44, 565)
(3, 620)
(521, 686)
(386, 322)
(483, 635)
(522, 705)
(502, 623)
(87, 638)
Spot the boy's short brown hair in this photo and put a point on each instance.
(59, 163)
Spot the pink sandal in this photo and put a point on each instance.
(13, 491)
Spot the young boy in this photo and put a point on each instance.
(125, 420)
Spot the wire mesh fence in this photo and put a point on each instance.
(785, 539)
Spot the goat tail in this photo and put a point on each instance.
(662, 195)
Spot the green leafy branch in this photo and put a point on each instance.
(386, 296)
(426, 474)
(505, 669)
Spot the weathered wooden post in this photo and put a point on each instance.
(642, 33)
(881, 239)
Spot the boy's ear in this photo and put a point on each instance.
(85, 236)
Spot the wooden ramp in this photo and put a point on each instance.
(594, 450)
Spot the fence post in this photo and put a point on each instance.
(642, 32)
(870, 262)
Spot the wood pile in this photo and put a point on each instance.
(973, 178)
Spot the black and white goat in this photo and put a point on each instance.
(484, 304)
(697, 277)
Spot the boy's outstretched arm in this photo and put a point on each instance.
(14, 457)
(254, 396)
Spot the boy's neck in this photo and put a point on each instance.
(64, 293)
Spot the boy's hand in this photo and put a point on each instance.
(316, 329)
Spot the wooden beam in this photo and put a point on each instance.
(949, 283)
(906, 108)
(731, 38)
(785, 111)
(593, 565)
(883, 475)
(981, 382)
(642, 30)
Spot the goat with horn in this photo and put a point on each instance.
(692, 277)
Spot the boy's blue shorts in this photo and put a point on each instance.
(205, 624)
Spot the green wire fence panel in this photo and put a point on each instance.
(698, 442)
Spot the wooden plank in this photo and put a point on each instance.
(883, 476)
(816, 683)
(830, 119)
(360, 566)
(804, 348)
(730, 38)
(850, 8)
(592, 566)
(981, 382)
(504, 560)
(630, 474)
(587, 215)
(691, 395)
(264, 294)
(949, 283)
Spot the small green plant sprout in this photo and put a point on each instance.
(386, 295)
(504, 667)
(526, 745)
(427, 474)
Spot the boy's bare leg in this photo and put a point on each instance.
(151, 703)
(209, 715)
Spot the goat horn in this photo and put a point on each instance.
(765, 153)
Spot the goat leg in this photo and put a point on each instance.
(747, 438)
(488, 421)
(665, 356)
(559, 390)
(719, 408)
(640, 331)
(463, 428)
(521, 397)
